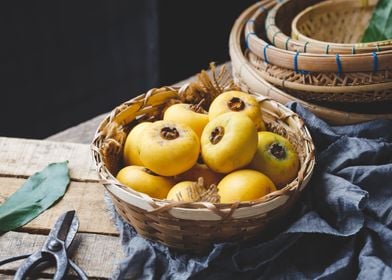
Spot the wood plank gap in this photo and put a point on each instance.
(45, 231)
(26, 177)
(14, 176)
(85, 180)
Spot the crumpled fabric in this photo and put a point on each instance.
(341, 228)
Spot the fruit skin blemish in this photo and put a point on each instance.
(276, 158)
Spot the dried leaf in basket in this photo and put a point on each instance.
(112, 147)
(380, 25)
(199, 192)
(208, 86)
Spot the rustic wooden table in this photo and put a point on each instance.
(97, 246)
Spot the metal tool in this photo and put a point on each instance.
(54, 249)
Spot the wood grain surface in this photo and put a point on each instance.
(97, 247)
(24, 157)
(86, 198)
(95, 254)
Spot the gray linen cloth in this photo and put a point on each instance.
(340, 229)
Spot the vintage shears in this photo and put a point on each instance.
(54, 249)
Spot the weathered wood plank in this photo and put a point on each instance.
(95, 254)
(24, 157)
(99, 246)
(86, 198)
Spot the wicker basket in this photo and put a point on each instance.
(332, 21)
(196, 226)
(337, 25)
(247, 77)
(364, 62)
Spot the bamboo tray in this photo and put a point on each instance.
(313, 62)
(328, 87)
(335, 26)
(354, 87)
(246, 76)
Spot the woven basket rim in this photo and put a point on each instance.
(256, 61)
(303, 15)
(306, 61)
(355, 91)
(240, 64)
(306, 44)
(378, 90)
(220, 209)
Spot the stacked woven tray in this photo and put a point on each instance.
(339, 80)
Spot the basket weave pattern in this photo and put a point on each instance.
(338, 26)
(317, 26)
(288, 65)
(249, 79)
(329, 87)
(256, 42)
(194, 236)
(196, 226)
(323, 26)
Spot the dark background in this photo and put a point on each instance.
(63, 62)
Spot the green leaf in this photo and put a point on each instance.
(36, 195)
(380, 26)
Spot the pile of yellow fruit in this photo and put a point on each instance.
(227, 146)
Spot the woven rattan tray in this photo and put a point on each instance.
(247, 77)
(335, 26)
(354, 87)
(327, 87)
(313, 62)
(341, 21)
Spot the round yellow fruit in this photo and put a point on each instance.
(191, 115)
(181, 192)
(238, 102)
(143, 180)
(201, 170)
(276, 158)
(228, 142)
(244, 185)
(168, 148)
(131, 151)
